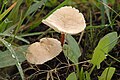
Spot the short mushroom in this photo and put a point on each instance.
(43, 51)
(66, 20)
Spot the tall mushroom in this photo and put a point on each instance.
(43, 51)
(66, 20)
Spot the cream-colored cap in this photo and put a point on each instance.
(66, 20)
(43, 51)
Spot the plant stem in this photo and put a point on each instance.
(62, 39)
(78, 73)
(81, 35)
(113, 58)
(92, 69)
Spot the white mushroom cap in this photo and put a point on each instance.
(43, 51)
(66, 20)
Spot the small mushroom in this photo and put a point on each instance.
(43, 51)
(66, 20)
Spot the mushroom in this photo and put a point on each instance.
(66, 20)
(43, 51)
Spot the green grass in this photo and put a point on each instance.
(20, 25)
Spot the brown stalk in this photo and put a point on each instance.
(62, 39)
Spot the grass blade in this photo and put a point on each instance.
(35, 6)
(7, 11)
(17, 37)
(7, 60)
(107, 11)
(13, 54)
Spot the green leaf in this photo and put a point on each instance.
(68, 52)
(98, 57)
(105, 45)
(72, 50)
(72, 76)
(73, 45)
(107, 74)
(108, 42)
(7, 60)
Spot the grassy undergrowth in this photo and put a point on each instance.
(93, 54)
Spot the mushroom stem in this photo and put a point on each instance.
(62, 39)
